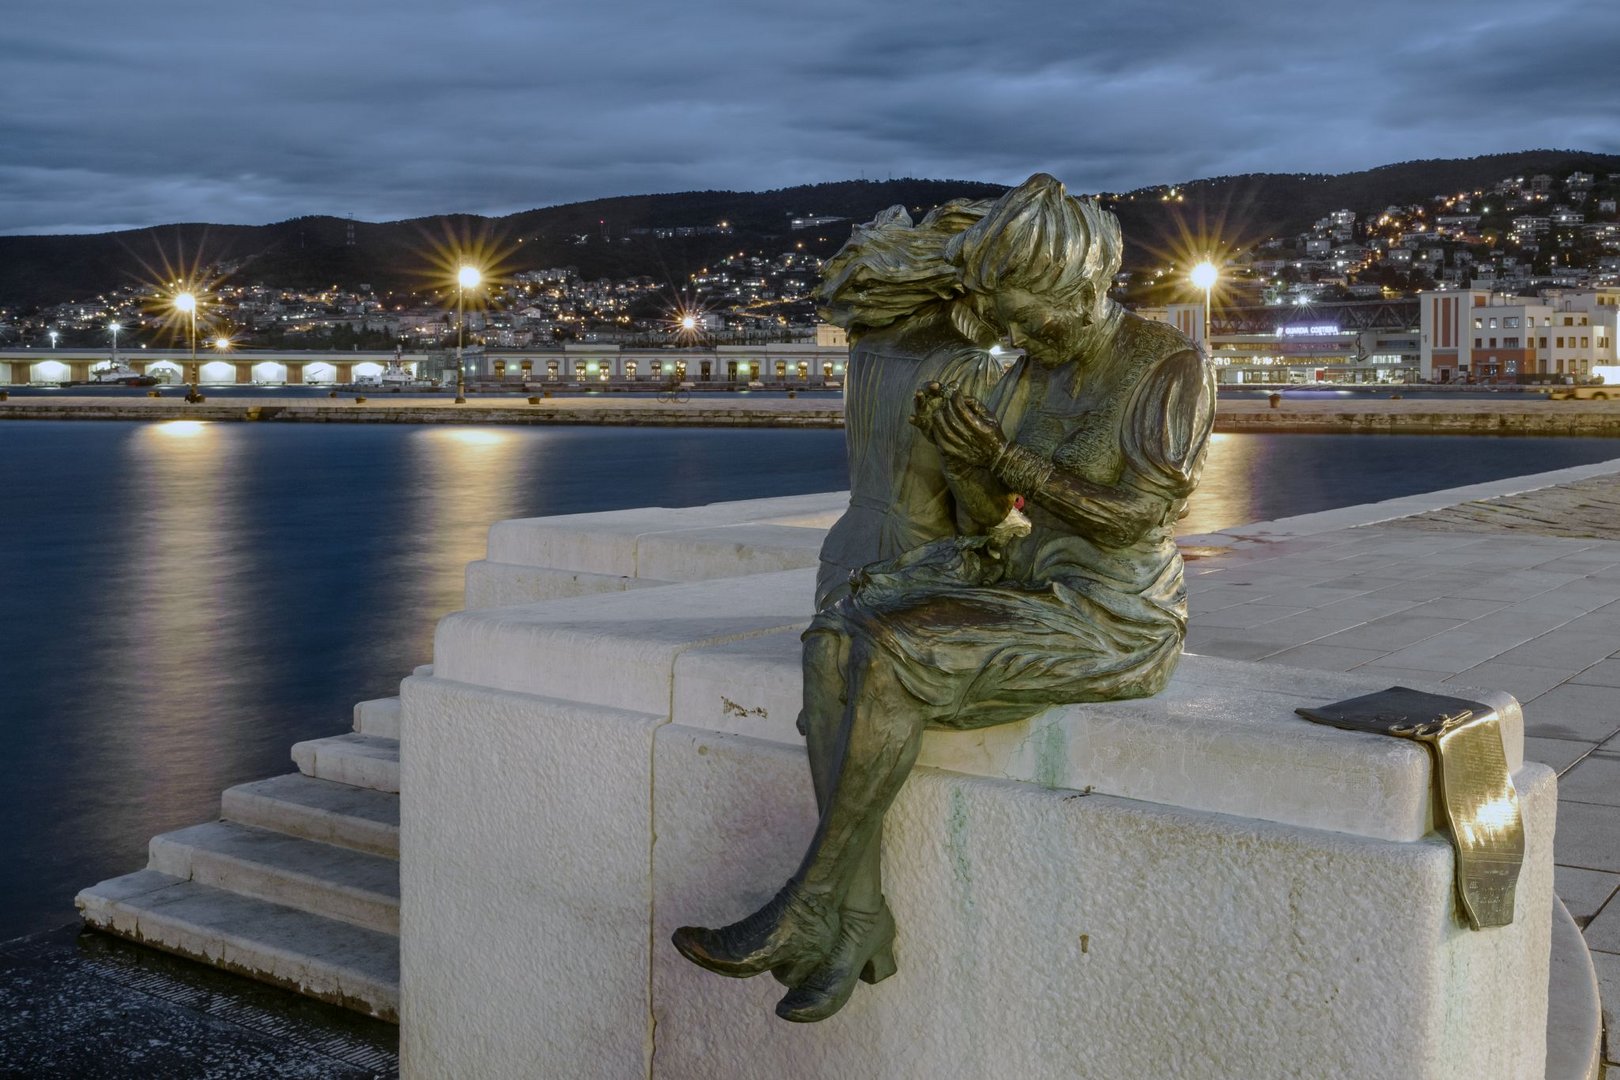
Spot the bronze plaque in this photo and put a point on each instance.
(1476, 796)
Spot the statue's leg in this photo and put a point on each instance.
(826, 658)
(872, 755)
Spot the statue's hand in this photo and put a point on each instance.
(966, 432)
(927, 403)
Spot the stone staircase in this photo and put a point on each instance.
(296, 884)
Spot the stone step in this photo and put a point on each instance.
(379, 717)
(350, 817)
(323, 958)
(367, 761)
(322, 879)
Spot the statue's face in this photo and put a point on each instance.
(1050, 332)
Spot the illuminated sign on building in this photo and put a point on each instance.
(1318, 330)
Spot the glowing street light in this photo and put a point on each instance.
(115, 327)
(222, 343)
(53, 339)
(186, 304)
(1204, 276)
(467, 277)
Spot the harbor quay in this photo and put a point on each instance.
(1508, 414)
(801, 364)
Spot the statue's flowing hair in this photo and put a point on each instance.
(1036, 237)
(1041, 239)
(890, 269)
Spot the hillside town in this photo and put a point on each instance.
(1370, 294)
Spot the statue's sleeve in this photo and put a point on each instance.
(1170, 419)
(973, 370)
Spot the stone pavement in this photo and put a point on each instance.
(1474, 595)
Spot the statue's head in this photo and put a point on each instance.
(1038, 265)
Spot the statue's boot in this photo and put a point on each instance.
(864, 950)
(792, 935)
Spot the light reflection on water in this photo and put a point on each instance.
(182, 602)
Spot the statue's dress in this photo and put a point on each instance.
(899, 498)
(1090, 606)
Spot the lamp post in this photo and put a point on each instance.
(466, 278)
(187, 302)
(53, 339)
(1204, 275)
(115, 327)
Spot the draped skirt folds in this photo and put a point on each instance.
(975, 650)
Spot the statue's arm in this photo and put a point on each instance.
(1167, 430)
(1111, 514)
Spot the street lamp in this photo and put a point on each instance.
(53, 338)
(1204, 275)
(115, 327)
(187, 302)
(466, 278)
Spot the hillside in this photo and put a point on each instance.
(312, 252)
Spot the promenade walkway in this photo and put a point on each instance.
(1493, 586)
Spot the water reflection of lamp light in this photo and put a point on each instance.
(181, 429)
(466, 483)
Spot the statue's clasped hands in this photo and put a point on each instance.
(962, 428)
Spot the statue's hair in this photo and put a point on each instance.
(1035, 237)
(1039, 238)
(890, 269)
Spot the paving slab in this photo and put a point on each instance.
(1588, 713)
(1324, 657)
(1584, 892)
(1608, 977)
(1603, 932)
(1521, 680)
(1595, 780)
(1558, 754)
(1588, 836)
(1605, 672)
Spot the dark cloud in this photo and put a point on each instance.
(116, 115)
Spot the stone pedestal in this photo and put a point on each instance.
(1196, 885)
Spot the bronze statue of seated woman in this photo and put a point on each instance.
(1099, 433)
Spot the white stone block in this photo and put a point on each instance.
(1046, 933)
(498, 584)
(1223, 737)
(608, 542)
(525, 836)
(616, 649)
(360, 760)
(379, 717)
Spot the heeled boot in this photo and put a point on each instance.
(791, 934)
(864, 950)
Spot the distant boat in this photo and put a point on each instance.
(395, 376)
(116, 373)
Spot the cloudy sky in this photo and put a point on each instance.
(117, 114)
